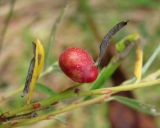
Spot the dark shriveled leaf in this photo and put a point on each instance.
(30, 72)
(107, 38)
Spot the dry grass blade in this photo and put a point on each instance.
(7, 21)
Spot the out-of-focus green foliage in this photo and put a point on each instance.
(30, 18)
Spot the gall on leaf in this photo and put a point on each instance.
(78, 65)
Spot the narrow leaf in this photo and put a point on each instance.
(136, 105)
(35, 69)
(45, 89)
(138, 63)
(104, 75)
(107, 38)
(151, 60)
(106, 72)
(121, 45)
(52, 36)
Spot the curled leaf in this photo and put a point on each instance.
(122, 44)
(107, 38)
(35, 69)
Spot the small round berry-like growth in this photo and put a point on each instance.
(78, 65)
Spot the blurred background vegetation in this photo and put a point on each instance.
(83, 24)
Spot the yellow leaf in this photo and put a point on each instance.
(138, 63)
(35, 69)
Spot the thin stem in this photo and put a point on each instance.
(147, 65)
(49, 69)
(130, 87)
(70, 94)
(151, 59)
(6, 97)
(20, 89)
(58, 111)
(50, 101)
(152, 76)
(83, 103)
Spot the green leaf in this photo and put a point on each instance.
(151, 60)
(136, 105)
(45, 89)
(104, 75)
(61, 118)
(52, 37)
(121, 45)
